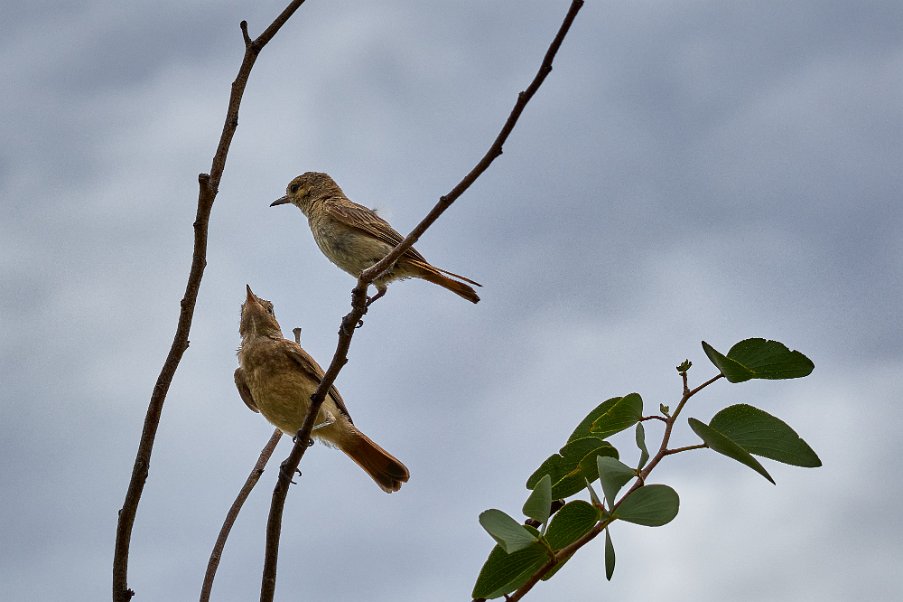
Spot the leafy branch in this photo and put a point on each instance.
(555, 530)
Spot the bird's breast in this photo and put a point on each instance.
(280, 391)
(349, 248)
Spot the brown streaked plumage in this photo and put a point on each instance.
(276, 378)
(354, 237)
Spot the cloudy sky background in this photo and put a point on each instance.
(689, 171)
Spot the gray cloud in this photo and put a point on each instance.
(690, 171)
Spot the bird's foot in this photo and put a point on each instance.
(379, 293)
(347, 328)
(288, 474)
(310, 442)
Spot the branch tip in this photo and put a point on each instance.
(244, 33)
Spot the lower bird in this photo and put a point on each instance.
(276, 378)
(354, 237)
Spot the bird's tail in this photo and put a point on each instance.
(384, 468)
(439, 276)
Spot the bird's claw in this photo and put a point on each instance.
(379, 293)
(310, 442)
(345, 327)
(283, 470)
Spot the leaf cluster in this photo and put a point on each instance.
(557, 527)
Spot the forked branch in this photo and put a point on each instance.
(208, 184)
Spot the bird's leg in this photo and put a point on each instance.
(330, 419)
(380, 291)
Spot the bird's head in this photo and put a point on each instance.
(307, 188)
(257, 317)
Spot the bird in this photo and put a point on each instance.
(354, 237)
(276, 378)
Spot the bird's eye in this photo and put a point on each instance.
(294, 188)
(269, 308)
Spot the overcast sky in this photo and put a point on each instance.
(689, 171)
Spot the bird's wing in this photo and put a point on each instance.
(309, 365)
(244, 391)
(428, 267)
(357, 216)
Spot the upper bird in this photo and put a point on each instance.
(276, 377)
(354, 237)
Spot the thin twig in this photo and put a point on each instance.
(262, 460)
(677, 450)
(208, 184)
(653, 417)
(359, 307)
(243, 494)
(379, 268)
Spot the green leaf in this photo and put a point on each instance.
(732, 370)
(609, 556)
(613, 475)
(570, 523)
(759, 358)
(539, 504)
(762, 434)
(564, 468)
(641, 443)
(771, 360)
(509, 533)
(583, 428)
(503, 573)
(574, 520)
(726, 446)
(588, 466)
(623, 414)
(592, 493)
(650, 505)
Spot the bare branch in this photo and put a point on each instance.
(208, 188)
(243, 494)
(379, 268)
(244, 33)
(359, 307)
(302, 442)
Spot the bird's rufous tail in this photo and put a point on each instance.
(435, 275)
(384, 468)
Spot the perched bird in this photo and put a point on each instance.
(276, 378)
(354, 237)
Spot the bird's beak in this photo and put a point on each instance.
(251, 296)
(281, 201)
